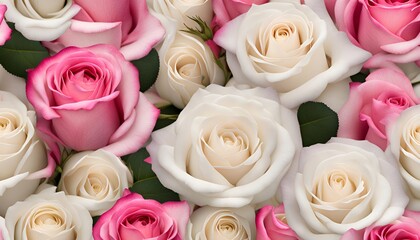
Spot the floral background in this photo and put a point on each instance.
(209, 119)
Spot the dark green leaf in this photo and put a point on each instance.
(148, 67)
(318, 123)
(359, 77)
(168, 110)
(20, 54)
(136, 164)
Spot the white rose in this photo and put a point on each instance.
(287, 46)
(4, 234)
(48, 215)
(404, 137)
(41, 20)
(340, 185)
(228, 148)
(15, 85)
(208, 223)
(23, 157)
(95, 180)
(186, 65)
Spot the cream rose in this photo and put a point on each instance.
(341, 185)
(48, 215)
(23, 157)
(228, 148)
(186, 65)
(95, 180)
(222, 223)
(290, 47)
(41, 20)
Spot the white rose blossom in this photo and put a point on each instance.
(340, 185)
(228, 147)
(95, 180)
(41, 20)
(48, 215)
(290, 47)
(208, 223)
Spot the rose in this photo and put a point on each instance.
(4, 234)
(228, 148)
(75, 88)
(271, 223)
(226, 10)
(387, 29)
(406, 227)
(23, 157)
(48, 215)
(40, 20)
(133, 217)
(5, 31)
(130, 27)
(288, 46)
(186, 65)
(95, 180)
(340, 185)
(14, 85)
(222, 223)
(373, 105)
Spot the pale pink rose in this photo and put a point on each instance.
(133, 217)
(126, 24)
(388, 29)
(374, 104)
(226, 10)
(5, 31)
(271, 223)
(89, 98)
(406, 227)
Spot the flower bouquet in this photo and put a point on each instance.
(209, 119)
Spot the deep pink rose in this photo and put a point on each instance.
(133, 218)
(406, 227)
(5, 31)
(126, 24)
(89, 98)
(389, 29)
(272, 224)
(373, 105)
(226, 10)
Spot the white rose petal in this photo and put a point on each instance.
(4, 234)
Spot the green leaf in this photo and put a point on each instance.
(359, 77)
(148, 67)
(20, 54)
(318, 123)
(138, 166)
(164, 121)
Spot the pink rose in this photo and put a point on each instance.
(373, 105)
(133, 217)
(406, 227)
(388, 29)
(89, 98)
(5, 31)
(272, 224)
(126, 24)
(226, 10)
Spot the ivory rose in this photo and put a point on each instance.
(226, 10)
(5, 31)
(207, 223)
(271, 223)
(290, 47)
(95, 180)
(88, 98)
(340, 185)
(40, 20)
(387, 29)
(133, 217)
(373, 105)
(48, 215)
(126, 24)
(228, 147)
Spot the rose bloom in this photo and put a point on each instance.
(207, 223)
(375, 104)
(40, 20)
(126, 24)
(288, 46)
(271, 223)
(5, 31)
(228, 147)
(48, 215)
(406, 227)
(340, 185)
(13, 84)
(95, 180)
(387, 29)
(133, 217)
(226, 10)
(88, 98)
